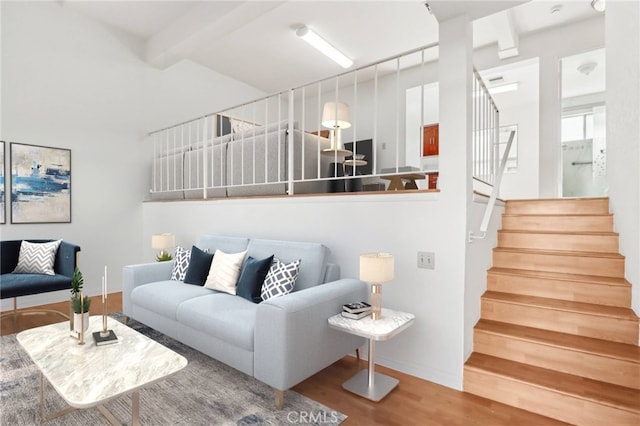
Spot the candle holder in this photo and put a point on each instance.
(81, 333)
(104, 336)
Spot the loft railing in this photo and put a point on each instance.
(280, 144)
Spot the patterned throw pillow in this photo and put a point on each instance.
(180, 264)
(37, 258)
(280, 279)
(224, 272)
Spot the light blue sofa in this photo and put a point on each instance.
(281, 341)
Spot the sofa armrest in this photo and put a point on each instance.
(135, 275)
(293, 340)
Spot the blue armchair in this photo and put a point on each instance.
(16, 285)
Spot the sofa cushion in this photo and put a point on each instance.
(224, 316)
(313, 257)
(280, 279)
(199, 265)
(164, 297)
(180, 264)
(37, 258)
(225, 270)
(252, 276)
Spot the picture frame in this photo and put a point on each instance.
(3, 187)
(40, 184)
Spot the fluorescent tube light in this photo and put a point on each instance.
(323, 46)
(509, 87)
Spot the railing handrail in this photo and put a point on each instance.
(484, 225)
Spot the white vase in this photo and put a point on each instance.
(76, 321)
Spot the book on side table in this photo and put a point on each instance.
(356, 308)
(105, 340)
(356, 316)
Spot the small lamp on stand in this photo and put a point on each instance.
(162, 242)
(335, 116)
(376, 268)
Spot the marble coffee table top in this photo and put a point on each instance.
(88, 375)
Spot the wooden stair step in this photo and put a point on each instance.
(606, 242)
(612, 291)
(562, 396)
(596, 205)
(612, 323)
(571, 262)
(566, 223)
(597, 359)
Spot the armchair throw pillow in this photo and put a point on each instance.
(37, 258)
(224, 272)
(280, 279)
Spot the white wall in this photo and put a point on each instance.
(623, 131)
(70, 83)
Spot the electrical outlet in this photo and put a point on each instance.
(426, 260)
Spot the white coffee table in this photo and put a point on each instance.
(87, 375)
(367, 383)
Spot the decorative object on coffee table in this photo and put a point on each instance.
(79, 305)
(104, 336)
(376, 268)
(162, 242)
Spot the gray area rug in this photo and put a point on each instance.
(206, 392)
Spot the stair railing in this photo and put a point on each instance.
(484, 225)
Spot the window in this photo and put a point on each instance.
(576, 127)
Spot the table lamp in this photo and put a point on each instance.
(335, 116)
(162, 242)
(376, 268)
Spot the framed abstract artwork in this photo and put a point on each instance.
(40, 184)
(2, 185)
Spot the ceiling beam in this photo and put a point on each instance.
(506, 34)
(204, 24)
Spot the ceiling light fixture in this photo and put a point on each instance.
(509, 87)
(587, 68)
(598, 5)
(323, 46)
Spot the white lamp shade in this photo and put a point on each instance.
(336, 115)
(163, 241)
(376, 268)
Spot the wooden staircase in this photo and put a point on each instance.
(556, 335)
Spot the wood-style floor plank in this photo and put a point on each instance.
(414, 402)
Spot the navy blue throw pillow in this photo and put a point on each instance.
(199, 265)
(251, 278)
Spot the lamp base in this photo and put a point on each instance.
(376, 301)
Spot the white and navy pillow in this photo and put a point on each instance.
(37, 258)
(280, 279)
(181, 263)
(225, 270)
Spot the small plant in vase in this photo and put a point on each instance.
(77, 306)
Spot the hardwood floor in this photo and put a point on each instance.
(414, 402)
